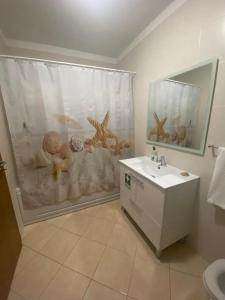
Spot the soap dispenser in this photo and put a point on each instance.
(154, 154)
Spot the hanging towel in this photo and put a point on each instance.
(216, 194)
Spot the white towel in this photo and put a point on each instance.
(216, 194)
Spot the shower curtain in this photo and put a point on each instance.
(69, 127)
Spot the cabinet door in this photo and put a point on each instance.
(137, 201)
(152, 202)
(128, 193)
(149, 198)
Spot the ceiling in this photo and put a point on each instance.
(103, 27)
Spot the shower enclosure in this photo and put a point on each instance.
(69, 126)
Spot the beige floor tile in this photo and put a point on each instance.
(77, 223)
(149, 281)
(91, 211)
(58, 221)
(146, 251)
(186, 287)
(123, 239)
(99, 230)
(34, 277)
(60, 245)
(14, 296)
(39, 235)
(102, 225)
(25, 257)
(67, 285)
(124, 220)
(107, 211)
(184, 259)
(85, 257)
(114, 270)
(97, 291)
(28, 228)
(115, 204)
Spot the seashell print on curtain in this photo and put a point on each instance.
(69, 127)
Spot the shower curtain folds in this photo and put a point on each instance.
(69, 126)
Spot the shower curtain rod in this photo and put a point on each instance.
(180, 82)
(67, 63)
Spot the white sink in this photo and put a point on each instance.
(165, 176)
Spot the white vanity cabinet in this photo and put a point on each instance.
(163, 214)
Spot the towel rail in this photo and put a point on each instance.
(213, 147)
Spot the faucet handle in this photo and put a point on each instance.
(163, 160)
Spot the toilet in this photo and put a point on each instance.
(214, 280)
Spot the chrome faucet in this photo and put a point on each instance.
(162, 161)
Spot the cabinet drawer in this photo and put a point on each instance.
(152, 201)
(145, 222)
(148, 197)
(152, 230)
(128, 202)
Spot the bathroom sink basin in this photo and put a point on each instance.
(164, 176)
(151, 168)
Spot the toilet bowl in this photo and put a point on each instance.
(214, 280)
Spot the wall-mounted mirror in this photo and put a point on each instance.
(179, 108)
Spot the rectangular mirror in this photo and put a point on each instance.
(179, 108)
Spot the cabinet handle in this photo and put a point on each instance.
(137, 180)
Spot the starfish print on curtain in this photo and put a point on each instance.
(102, 132)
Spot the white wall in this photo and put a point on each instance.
(194, 33)
(59, 57)
(2, 44)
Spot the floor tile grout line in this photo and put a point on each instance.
(78, 272)
(62, 228)
(80, 237)
(47, 239)
(103, 243)
(52, 259)
(92, 278)
(185, 273)
(132, 270)
(39, 251)
(36, 253)
(16, 293)
(103, 253)
(106, 245)
(170, 283)
(109, 287)
(66, 267)
(97, 268)
(72, 269)
(87, 289)
(15, 273)
(49, 282)
(71, 214)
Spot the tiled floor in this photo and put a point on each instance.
(98, 254)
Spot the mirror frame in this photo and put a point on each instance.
(201, 150)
